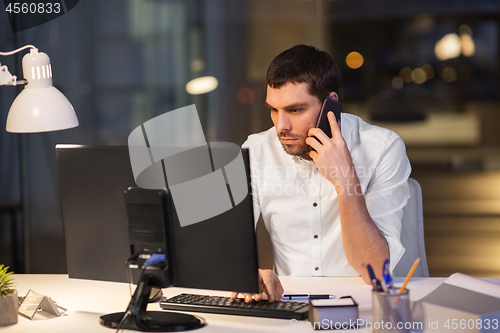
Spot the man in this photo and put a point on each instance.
(331, 206)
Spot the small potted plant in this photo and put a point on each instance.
(8, 298)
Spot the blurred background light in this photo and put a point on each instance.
(448, 47)
(468, 46)
(465, 29)
(197, 65)
(354, 60)
(245, 95)
(448, 74)
(397, 82)
(429, 70)
(418, 75)
(405, 74)
(202, 85)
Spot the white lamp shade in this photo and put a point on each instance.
(41, 110)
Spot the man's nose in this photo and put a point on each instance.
(283, 123)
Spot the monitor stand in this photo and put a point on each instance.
(138, 319)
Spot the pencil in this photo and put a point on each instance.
(408, 277)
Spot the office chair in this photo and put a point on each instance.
(412, 234)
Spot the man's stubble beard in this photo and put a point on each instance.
(301, 150)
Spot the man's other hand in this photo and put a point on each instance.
(270, 285)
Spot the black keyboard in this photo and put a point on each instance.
(224, 305)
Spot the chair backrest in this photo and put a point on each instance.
(412, 234)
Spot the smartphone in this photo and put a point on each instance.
(323, 123)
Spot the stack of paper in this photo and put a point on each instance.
(461, 304)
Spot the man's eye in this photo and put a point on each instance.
(272, 110)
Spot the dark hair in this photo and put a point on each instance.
(303, 63)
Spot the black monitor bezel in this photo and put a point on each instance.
(84, 169)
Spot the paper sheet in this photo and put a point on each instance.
(474, 284)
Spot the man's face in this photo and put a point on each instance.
(293, 111)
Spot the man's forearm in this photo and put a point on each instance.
(362, 240)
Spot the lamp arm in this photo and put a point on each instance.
(6, 78)
(19, 49)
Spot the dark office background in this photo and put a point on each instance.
(121, 63)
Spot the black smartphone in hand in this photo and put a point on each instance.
(323, 123)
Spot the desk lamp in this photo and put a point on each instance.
(39, 107)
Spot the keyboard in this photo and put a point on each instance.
(224, 305)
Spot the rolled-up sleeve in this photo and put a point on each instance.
(388, 192)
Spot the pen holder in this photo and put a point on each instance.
(391, 312)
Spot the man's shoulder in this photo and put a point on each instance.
(363, 132)
(257, 140)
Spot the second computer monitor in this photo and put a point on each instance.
(219, 253)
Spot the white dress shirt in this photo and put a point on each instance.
(299, 205)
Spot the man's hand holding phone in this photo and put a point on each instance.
(323, 123)
(330, 154)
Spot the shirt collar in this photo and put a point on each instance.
(346, 131)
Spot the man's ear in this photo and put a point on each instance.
(333, 95)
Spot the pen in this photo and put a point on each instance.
(375, 282)
(389, 286)
(296, 297)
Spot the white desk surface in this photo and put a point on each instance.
(87, 300)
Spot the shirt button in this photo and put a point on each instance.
(315, 204)
(316, 268)
(315, 236)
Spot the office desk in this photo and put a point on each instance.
(86, 300)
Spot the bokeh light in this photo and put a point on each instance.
(197, 65)
(465, 29)
(429, 70)
(468, 46)
(405, 74)
(397, 82)
(201, 85)
(245, 96)
(448, 74)
(448, 47)
(354, 60)
(418, 75)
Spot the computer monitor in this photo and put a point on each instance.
(219, 253)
